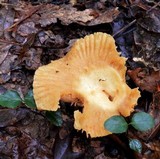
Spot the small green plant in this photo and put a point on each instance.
(55, 117)
(12, 99)
(29, 100)
(135, 145)
(141, 121)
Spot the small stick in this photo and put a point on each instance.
(9, 42)
(157, 4)
(154, 132)
(23, 19)
(124, 28)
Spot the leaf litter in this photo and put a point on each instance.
(33, 35)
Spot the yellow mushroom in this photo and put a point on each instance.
(93, 73)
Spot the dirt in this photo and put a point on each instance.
(32, 33)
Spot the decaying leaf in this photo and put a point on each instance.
(24, 134)
(147, 48)
(145, 79)
(5, 68)
(106, 17)
(6, 19)
(4, 50)
(32, 59)
(51, 13)
(92, 73)
(154, 21)
(27, 29)
(155, 112)
(153, 150)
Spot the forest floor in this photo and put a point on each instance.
(33, 33)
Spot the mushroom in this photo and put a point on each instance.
(93, 73)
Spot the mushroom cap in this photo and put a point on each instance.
(93, 73)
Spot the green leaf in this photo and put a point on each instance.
(10, 99)
(29, 100)
(116, 124)
(55, 117)
(142, 121)
(135, 145)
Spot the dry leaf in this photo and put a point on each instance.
(147, 47)
(154, 21)
(106, 17)
(49, 14)
(145, 79)
(6, 20)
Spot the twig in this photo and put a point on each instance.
(157, 4)
(9, 42)
(26, 17)
(154, 132)
(124, 28)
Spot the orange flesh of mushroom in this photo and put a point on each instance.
(92, 72)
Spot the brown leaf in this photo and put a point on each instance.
(10, 117)
(153, 150)
(5, 67)
(145, 79)
(6, 19)
(154, 110)
(102, 156)
(33, 58)
(25, 135)
(4, 49)
(154, 21)
(25, 11)
(26, 46)
(146, 49)
(51, 13)
(105, 17)
(62, 148)
(27, 28)
(66, 14)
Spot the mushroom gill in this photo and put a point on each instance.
(93, 73)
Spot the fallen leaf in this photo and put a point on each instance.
(4, 50)
(154, 21)
(67, 15)
(33, 58)
(27, 28)
(49, 14)
(26, 46)
(102, 156)
(145, 79)
(147, 47)
(11, 116)
(154, 110)
(62, 149)
(25, 134)
(5, 68)
(7, 15)
(25, 11)
(52, 40)
(153, 150)
(105, 17)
